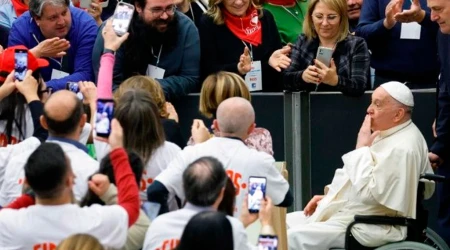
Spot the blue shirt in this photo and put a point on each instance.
(391, 53)
(77, 62)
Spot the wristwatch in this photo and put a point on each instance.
(109, 51)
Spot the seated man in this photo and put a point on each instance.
(235, 121)
(62, 34)
(379, 177)
(204, 183)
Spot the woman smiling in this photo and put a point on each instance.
(326, 25)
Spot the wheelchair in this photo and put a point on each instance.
(419, 237)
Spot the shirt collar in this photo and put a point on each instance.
(193, 207)
(74, 143)
(393, 130)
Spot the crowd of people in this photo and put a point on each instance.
(92, 155)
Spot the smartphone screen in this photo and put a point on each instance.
(73, 86)
(324, 55)
(256, 192)
(122, 18)
(105, 114)
(21, 64)
(268, 242)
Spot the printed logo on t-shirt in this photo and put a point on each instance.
(169, 244)
(236, 179)
(145, 182)
(45, 246)
(4, 140)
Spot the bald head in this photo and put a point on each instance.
(63, 113)
(235, 116)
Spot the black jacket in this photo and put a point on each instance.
(221, 50)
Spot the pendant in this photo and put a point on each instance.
(296, 12)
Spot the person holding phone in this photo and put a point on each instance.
(346, 68)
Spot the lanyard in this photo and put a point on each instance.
(59, 62)
(159, 55)
(192, 12)
(251, 49)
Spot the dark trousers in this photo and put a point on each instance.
(443, 192)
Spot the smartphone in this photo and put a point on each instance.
(256, 192)
(20, 64)
(324, 55)
(104, 3)
(268, 242)
(73, 86)
(122, 18)
(104, 116)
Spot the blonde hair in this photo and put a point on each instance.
(147, 84)
(218, 87)
(340, 6)
(80, 242)
(215, 10)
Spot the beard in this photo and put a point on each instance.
(143, 37)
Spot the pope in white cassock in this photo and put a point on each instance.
(379, 177)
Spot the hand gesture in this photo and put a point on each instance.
(327, 75)
(365, 135)
(112, 40)
(265, 212)
(199, 131)
(280, 58)
(116, 137)
(312, 205)
(245, 62)
(28, 87)
(394, 7)
(95, 10)
(172, 112)
(246, 217)
(99, 184)
(414, 14)
(311, 75)
(89, 91)
(53, 47)
(435, 160)
(9, 85)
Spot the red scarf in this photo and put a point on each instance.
(282, 2)
(19, 7)
(247, 28)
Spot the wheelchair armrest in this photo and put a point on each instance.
(433, 177)
(376, 220)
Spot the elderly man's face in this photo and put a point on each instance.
(440, 13)
(382, 110)
(354, 9)
(55, 21)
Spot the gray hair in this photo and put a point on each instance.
(36, 6)
(235, 115)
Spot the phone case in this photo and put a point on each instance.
(324, 55)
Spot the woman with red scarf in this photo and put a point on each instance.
(238, 36)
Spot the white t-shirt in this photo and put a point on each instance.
(240, 163)
(83, 166)
(38, 225)
(158, 162)
(165, 231)
(27, 129)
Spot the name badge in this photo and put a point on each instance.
(410, 31)
(253, 79)
(58, 74)
(155, 72)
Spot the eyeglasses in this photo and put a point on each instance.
(170, 10)
(47, 90)
(330, 18)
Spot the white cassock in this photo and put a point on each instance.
(378, 180)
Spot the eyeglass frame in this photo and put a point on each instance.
(325, 17)
(168, 10)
